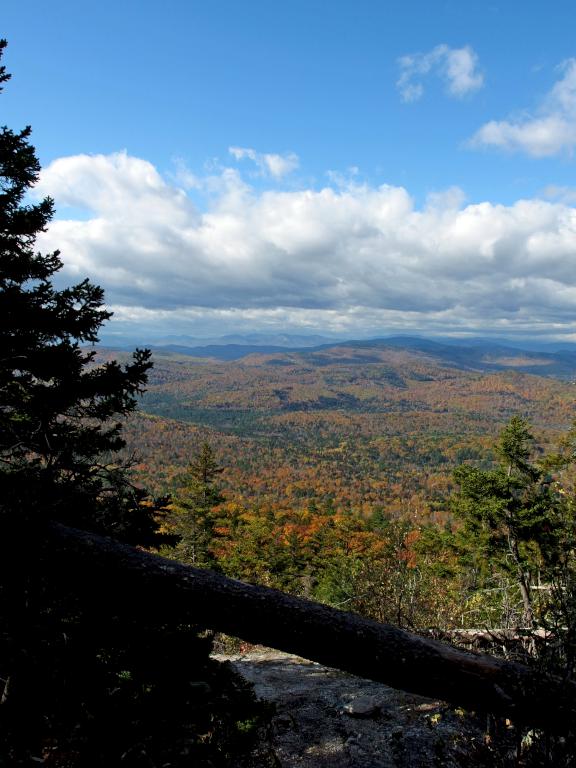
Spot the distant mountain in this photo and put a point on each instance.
(481, 355)
(224, 352)
(172, 341)
(532, 345)
(291, 340)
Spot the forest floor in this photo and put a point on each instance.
(324, 718)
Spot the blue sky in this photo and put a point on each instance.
(355, 168)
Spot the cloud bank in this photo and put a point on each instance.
(457, 67)
(550, 130)
(350, 258)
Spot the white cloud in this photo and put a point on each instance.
(457, 67)
(184, 177)
(269, 164)
(117, 186)
(346, 258)
(550, 130)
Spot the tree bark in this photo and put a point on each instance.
(124, 581)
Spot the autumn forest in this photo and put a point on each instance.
(336, 467)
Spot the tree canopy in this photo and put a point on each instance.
(514, 519)
(192, 518)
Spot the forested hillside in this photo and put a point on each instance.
(349, 433)
(336, 471)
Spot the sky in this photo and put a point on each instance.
(354, 169)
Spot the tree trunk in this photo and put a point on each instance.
(528, 612)
(120, 580)
(523, 579)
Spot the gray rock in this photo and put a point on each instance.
(362, 706)
(327, 719)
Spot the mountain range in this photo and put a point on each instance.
(481, 355)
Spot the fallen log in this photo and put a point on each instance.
(116, 577)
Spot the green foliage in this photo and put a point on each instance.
(508, 513)
(514, 448)
(192, 517)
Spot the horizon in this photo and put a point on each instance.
(357, 172)
(304, 342)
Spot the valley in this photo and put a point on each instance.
(355, 427)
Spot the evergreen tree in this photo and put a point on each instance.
(510, 513)
(80, 686)
(193, 517)
(55, 401)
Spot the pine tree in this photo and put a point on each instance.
(55, 401)
(509, 513)
(193, 518)
(81, 685)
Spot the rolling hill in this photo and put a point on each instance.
(356, 425)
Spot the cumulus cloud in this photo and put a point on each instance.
(269, 164)
(348, 258)
(457, 67)
(117, 186)
(550, 130)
